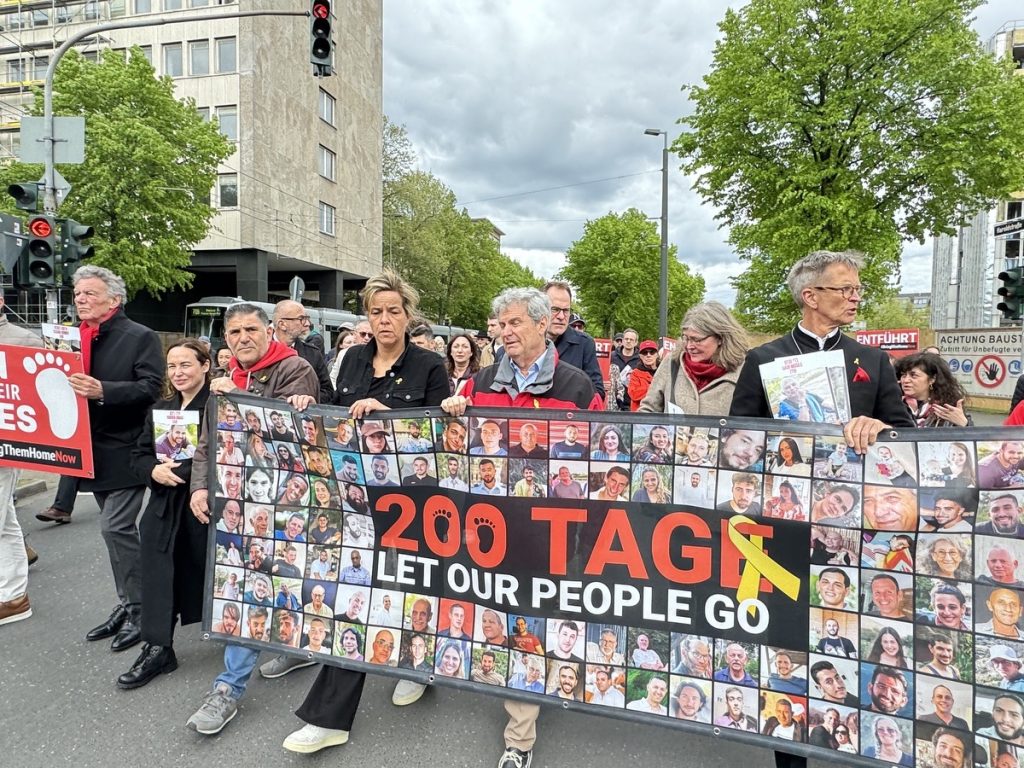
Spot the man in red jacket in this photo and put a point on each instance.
(529, 375)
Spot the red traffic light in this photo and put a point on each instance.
(40, 227)
(321, 9)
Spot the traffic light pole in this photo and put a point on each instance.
(49, 174)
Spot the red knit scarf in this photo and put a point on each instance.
(702, 374)
(276, 352)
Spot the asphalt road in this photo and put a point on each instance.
(59, 705)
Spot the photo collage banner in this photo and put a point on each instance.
(749, 576)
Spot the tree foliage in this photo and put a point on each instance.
(848, 124)
(894, 312)
(150, 162)
(616, 269)
(452, 260)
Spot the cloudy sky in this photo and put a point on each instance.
(533, 112)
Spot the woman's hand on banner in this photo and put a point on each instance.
(455, 405)
(301, 402)
(861, 431)
(222, 385)
(163, 473)
(360, 409)
(199, 504)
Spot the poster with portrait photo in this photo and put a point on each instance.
(834, 587)
(289, 457)
(352, 604)
(455, 618)
(386, 607)
(488, 437)
(835, 461)
(324, 496)
(784, 716)
(690, 699)
(647, 648)
(420, 612)
(228, 416)
(257, 622)
(229, 449)
(944, 653)
(826, 726)
(175, 434)
(606, 644)
(786, 498)
(611, 442)
(381, 470)
(489, 664)
(451, 434)
(413, 435)
(229, 481)
(528, 439)
(946, 464)
(258, 553)
(418, 469)
(691, 655)
(891, 464)
(527, 672)
(452, 658)
(608, 481)
(61, 338)
(228, 582)
(647, 691)
(258, 520)
(697, 446)
(834, 546)
(998, 715)
(1000, 464)
(741, 450)
(318, 596)
(888, 551)
(653, 443)
(261, 485)
(569, 440)
(736, 662)
(528, 478)
(833, 679)
(416, 652)
(375, 437)
(735, 707)
(318, 461)
(227, 617)
(356, 566)
(694, 487)
(565, 680)
(998, 561)
(943, 604)
(651, 484)
(566, 639)
(940, 745)
(310, 430)
(789, 454)
(834, 632)
(945, 556)
(382, 646)
(799, 387)
(228, 514)
(228, 548)
(784, 670)
(317, 635)
(324, 526)
(739, 493)
(341, 433)
(286, 628)
(999, 663)
(488, 476)
(254, 420)
(999, 513)
(259, 590)
(997, 611)
(887, 594)
(568, 479)
(350, 640)
(885, 687)
(888, 642)
(887, 738)
(287, 592)
(357, 530)
(490, 627)
(890, 509)
(525, 633)
(290, 524)
(322, 563)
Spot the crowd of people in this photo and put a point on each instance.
(536, 354)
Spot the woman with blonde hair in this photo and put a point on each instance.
(700, 377)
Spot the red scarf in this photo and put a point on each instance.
(276, 352)
(702, 374)
(90, 331)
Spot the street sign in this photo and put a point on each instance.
(1009, 227)
(68, 144)
(296, 288)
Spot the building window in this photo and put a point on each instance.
(226, 55)
(326, 218)
(228, 119)
(143, 6)
(199, 57)
(63, 14)
(172, 5)
(117, 9)
(172, 60)
(147, 52)
(227, 186)
(92, 10)
(198, 3)
(326, 163)
(92, 56)
(39, 65)
(40, 19)
(15, 70)
(204, 113)
(326, 107)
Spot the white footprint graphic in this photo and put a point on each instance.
(55, 391)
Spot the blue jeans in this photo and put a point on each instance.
(239, 664)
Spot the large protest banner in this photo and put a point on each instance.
(43, 424)
(747, 578)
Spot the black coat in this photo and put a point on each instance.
(315, 357)
(416, 379)
(879, 396)
(128, 360)
(173, 541)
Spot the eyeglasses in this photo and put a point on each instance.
(649, 352)
(694, 340)
(561, 310)
(364, 334)
(291, 319)
(848, 291)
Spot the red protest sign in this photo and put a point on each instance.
(44, 425)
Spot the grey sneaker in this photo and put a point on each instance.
(407, 692)
(279, 666)
(516, 758)
(217, 711)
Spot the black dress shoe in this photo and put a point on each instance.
(109, 627)
(154, 660)
(130, 634)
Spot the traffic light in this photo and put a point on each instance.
(1012, 291)
(72, 249)
(41, 250)
(321, 46)
(26, 195)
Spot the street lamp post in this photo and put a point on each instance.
(663, 294)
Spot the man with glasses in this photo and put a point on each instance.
(626, 358)
(826, 286)
(573, 346)
(290, 322)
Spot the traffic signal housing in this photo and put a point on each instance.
(26, 195)
(42, 250)
(321, 44)
(1012, 291)
(72, 246)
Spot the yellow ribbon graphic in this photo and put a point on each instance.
(758, 564)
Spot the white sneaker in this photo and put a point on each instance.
(313, 738)
(279, 666)
(407, 692)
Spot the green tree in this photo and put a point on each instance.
(150, 162)
(894, 312)
(616, 267)
(838, 124)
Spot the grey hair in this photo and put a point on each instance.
(806, 272)
(245, 308)
(538, 305)
(713, 319)
(114, 283)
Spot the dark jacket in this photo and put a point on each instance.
(578, 349)
(173, 561)
(558, 385)
(128, 360)
(315, 357)
(879, 396)
(416, 379)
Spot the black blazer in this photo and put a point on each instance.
(416, 379)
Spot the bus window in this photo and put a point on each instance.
(205, 321)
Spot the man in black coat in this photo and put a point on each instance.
(289, 325)
(826, 287)
(573, 347)
(124, 371)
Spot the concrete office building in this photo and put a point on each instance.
(301, 195)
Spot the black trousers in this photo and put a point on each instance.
(333, 700)
(67, 492)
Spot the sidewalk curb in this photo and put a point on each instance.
(31, 488)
